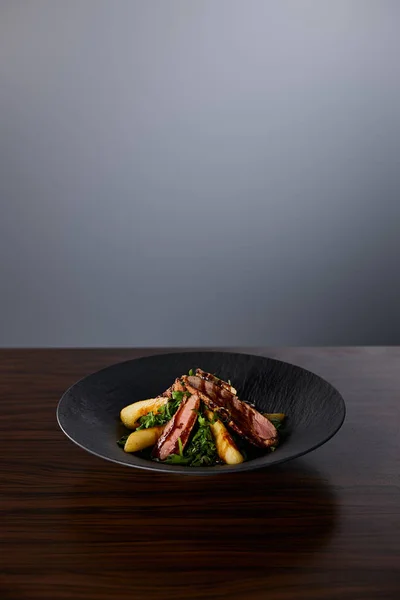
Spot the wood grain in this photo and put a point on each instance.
(323, 527)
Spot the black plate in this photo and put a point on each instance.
(88, 412)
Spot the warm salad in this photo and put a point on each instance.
(198, 421)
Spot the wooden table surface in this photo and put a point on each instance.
(323, 526)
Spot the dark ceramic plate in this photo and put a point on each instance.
(88, 412)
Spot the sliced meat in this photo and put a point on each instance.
(240, 416)
(180, 426)
(209, 377)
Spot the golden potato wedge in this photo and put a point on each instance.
(275, 416)
(130, 414)
(226, 447)
(144, 438)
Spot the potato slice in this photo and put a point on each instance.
(226, 447)
(130, 414)
(144, 438)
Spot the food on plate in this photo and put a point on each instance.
(225, 384)
(176, 433)
(226, 447)
(132, 413)
(275, 418)
(144, 438)
(199, 421)
(240, 416)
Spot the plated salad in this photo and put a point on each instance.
(199, 421)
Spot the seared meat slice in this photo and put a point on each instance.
(180, 426)
(220, 382)
(240, 416)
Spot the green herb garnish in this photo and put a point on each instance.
(163, 414)
(122, 441)
(202, 450)
(191, 372)
(176, 459)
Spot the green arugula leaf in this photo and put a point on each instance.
(163, 414)
(176, 459)
(122, 441)
(276, 424)
(203, 422)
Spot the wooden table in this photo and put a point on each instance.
(77, 527)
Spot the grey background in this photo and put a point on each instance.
(199, 172)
